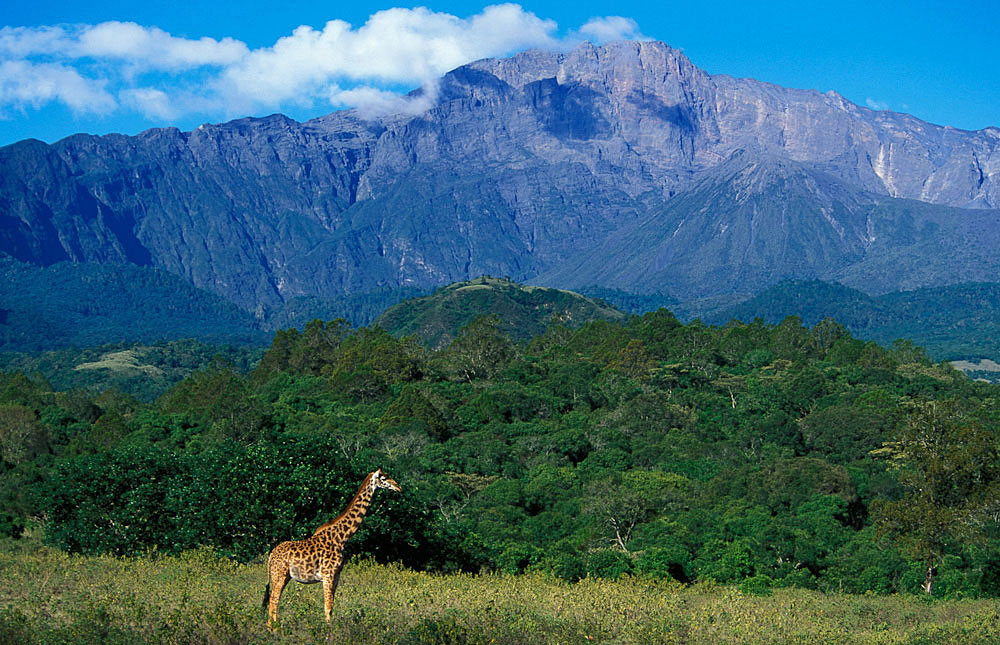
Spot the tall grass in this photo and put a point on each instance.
(47, 596)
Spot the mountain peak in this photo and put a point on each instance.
(618, 66)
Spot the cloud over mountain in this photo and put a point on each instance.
(124, 66)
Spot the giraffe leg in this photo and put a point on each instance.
(330, 583)
(327, 598)
(278, 582)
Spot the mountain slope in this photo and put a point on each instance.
(756, 220)
(81, 305)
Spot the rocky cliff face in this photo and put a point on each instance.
(648, 101)
(756, 220)
(531, 166)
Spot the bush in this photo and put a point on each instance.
(11, 525)
(672, 561)
(989, 581)
(565, 566)
(759, 585)
(133, 499)
(608, 563)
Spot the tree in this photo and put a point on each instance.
(218, 397)
(22, 436)
(277, 357)
(844, 433)
(413, 411)
(825, 334)
(656, 330)
(948, 464)
(634, 360)
(480, 351)
(790, 340)
(374, 350)
(318, 346)
(622, 502)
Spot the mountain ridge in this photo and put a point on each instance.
(530, 167)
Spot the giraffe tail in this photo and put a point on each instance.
(267, 597)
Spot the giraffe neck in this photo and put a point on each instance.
(350, 519)
(358, 506)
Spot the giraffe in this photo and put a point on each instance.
(319, 558)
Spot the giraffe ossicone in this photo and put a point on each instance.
(320, 558)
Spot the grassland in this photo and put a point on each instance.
(47, 596)
(128, 360)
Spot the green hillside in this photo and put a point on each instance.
(143, 371)
(78, 305)
(83, 305)
(525, 311)
(952, 323)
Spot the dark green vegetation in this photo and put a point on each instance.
(525, 311)
(82, 305)
(633, 303)
(86, 304)
(754, 455)
(66, 305)
(953, 322)
(146, 370)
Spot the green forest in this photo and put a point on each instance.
(749, 454)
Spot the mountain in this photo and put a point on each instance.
(620, 167)
(525, 311)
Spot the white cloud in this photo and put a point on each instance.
(22, 42)
(875, 104)
(164, 77)
(610, 29)
(154, 48)
(395, 46)
(150, 102)
(372, 101)
(148, 47)
(24, 84)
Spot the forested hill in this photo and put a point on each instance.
(952, 322)
(87, 303)
(76, 305)
(524, 311)
(81, 305)
(751, 454)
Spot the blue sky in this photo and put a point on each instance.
(119, 66)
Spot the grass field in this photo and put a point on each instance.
(128, 360)
(47, 596)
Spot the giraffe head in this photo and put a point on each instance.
(380, 480)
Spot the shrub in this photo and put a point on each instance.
(608, 563)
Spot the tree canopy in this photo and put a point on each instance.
(751, 454)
